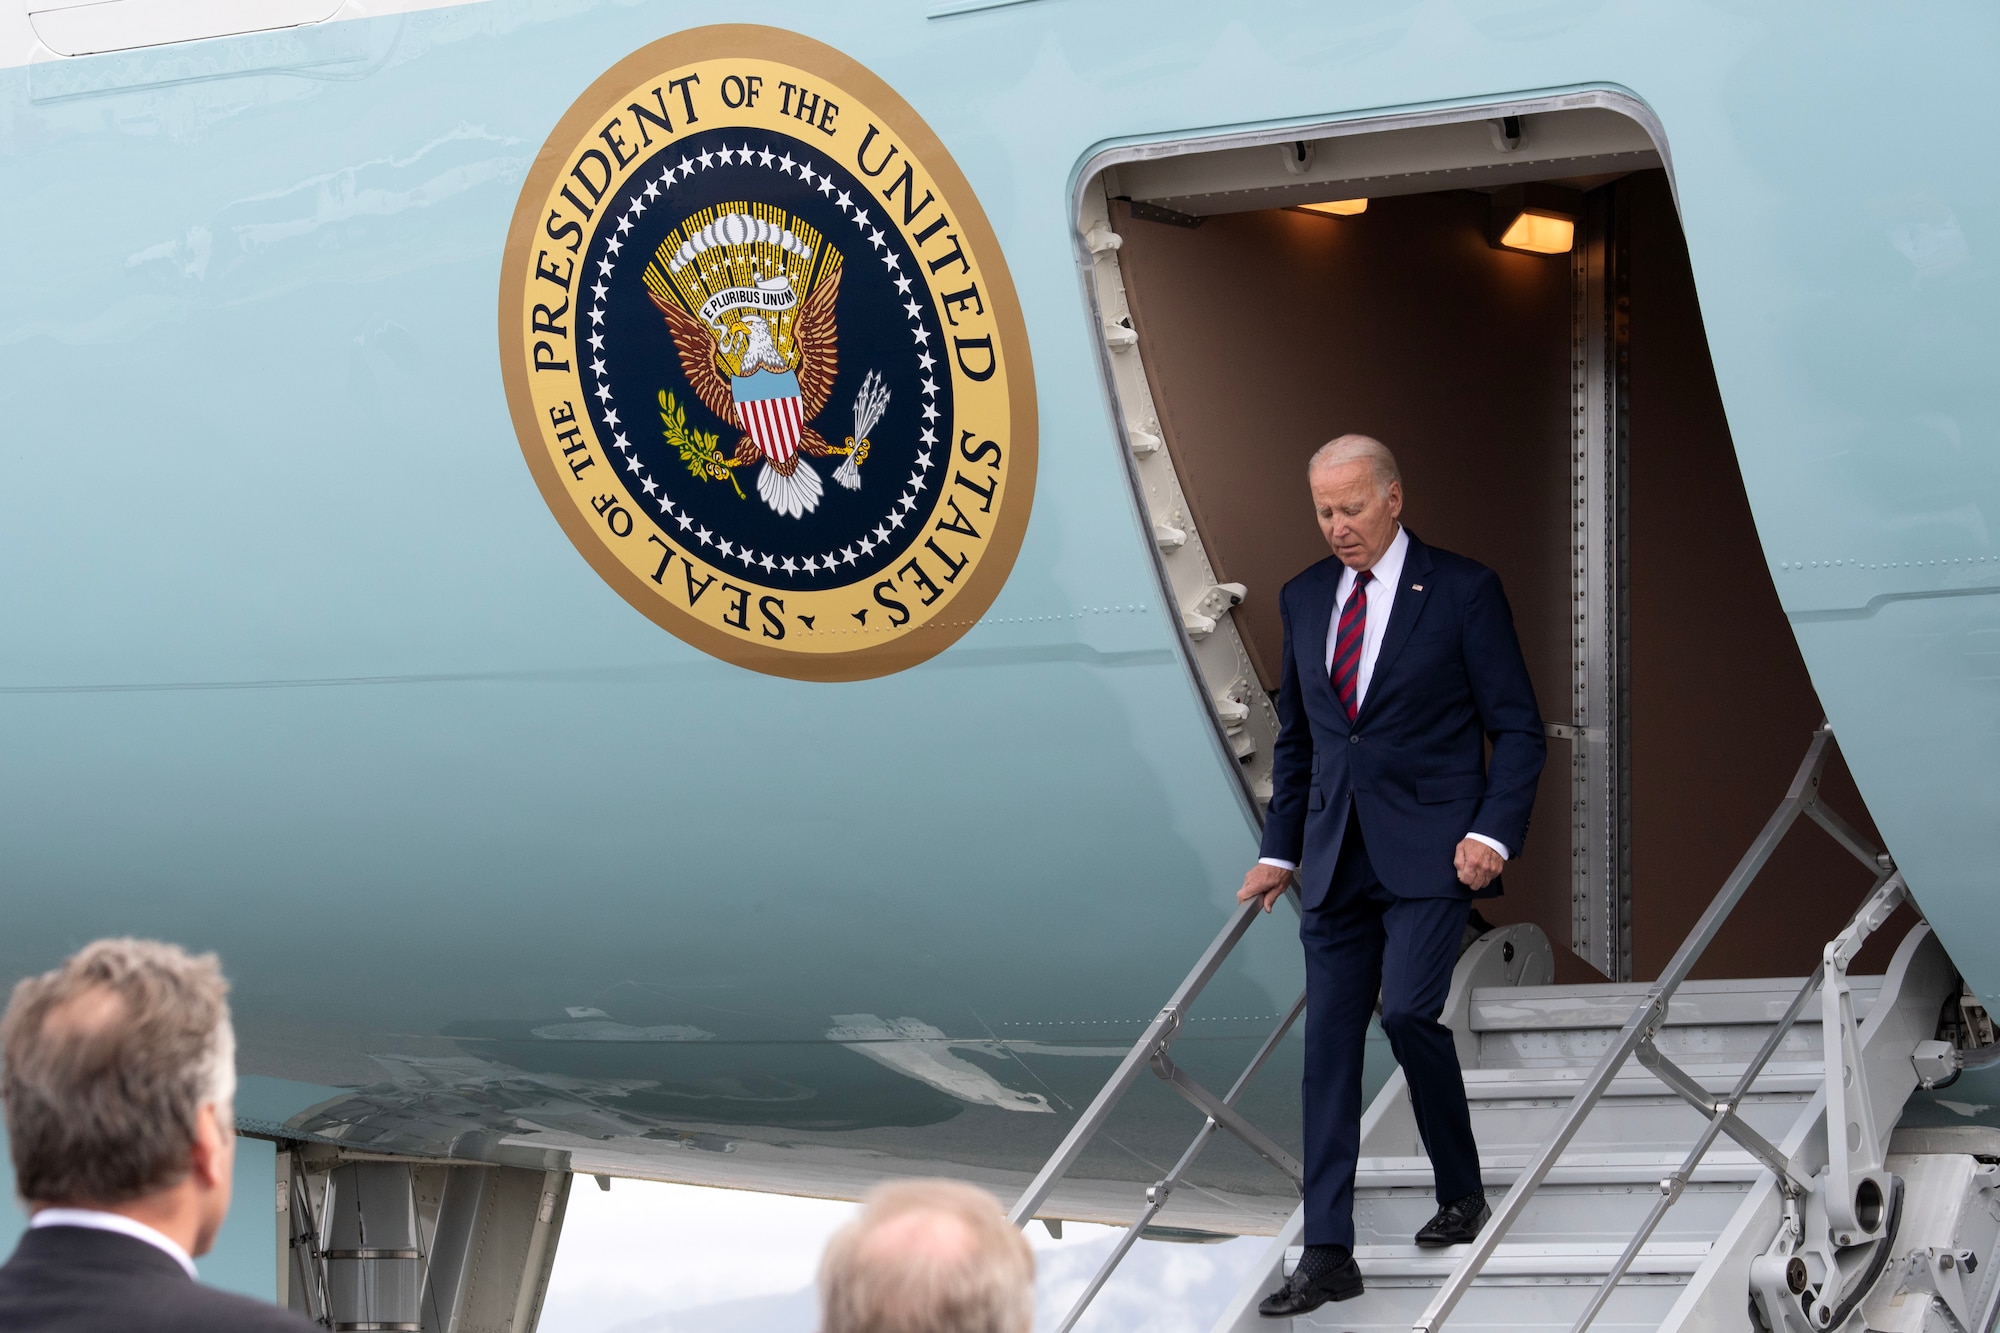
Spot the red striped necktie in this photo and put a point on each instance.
(1346, 672)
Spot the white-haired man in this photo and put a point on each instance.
(120, 1075)
(1401, 668)
(927, 1256)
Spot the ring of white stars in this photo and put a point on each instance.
(816, 176)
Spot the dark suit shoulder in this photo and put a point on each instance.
(1450, 564)
(77, 1280)
(204, 1307)
(1311, 577)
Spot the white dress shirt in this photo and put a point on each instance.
(1382, 589)
(118, 1222)
(1388, 577)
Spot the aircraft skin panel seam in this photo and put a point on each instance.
(1876, 603)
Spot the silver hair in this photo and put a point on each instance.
(1358, 448)
(109, 1061)
(927, 1256)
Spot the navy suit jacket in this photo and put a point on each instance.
(76, 1280)
(1413, 766)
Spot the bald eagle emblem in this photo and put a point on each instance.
(748, 294)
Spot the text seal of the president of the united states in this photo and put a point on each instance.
(765, 360)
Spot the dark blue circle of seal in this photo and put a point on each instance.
(884, 321)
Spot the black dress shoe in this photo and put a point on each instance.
(1456, 1223)
(1300, 1294)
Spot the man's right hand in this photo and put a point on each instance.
(1265, 882)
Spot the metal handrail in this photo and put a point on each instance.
(1636, 1038)
(1220, 1113)
(1722, 1118)
(1157, 1194)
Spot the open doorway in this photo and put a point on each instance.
(1553, 405)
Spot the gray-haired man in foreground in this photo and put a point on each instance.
(120, 1075)
(927, 1256)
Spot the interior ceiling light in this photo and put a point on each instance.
(1340, 208)
(1540, 234)
(1537, 219)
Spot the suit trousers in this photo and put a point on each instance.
(1362, 939)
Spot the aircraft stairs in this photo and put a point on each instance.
(1655, 1154)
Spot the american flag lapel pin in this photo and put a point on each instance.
(1416, 587)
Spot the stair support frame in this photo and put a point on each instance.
(1160, 1191)
(1154, 1041)
(1151, 1050)
(1636, 1039)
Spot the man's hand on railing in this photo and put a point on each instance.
(1266, 882)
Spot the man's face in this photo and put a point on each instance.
(1357, 516)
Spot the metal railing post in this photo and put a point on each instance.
(1645, 1020)
(1158, 1033)
(1671, 1186)
(1874, 910)
(1158, 1193)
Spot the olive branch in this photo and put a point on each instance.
(700, 450)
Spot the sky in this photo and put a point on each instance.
(652, 1258)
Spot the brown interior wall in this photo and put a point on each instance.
(1264, 334)
(1722, 707)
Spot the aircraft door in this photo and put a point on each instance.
(1555, 414)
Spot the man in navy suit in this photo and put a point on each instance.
(1401, 665)
(119, 1072)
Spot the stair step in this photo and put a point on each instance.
(1581, 1048)
(1560, 1083)
(1383, 1263)
(1515, 1110)
(1609, 1005)
(1511, 1131)
(1590, 1168)
(1564, 1215)
(1504, 1305)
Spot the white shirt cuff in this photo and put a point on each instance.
(1289, 865)
(1496, 845)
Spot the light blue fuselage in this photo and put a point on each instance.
(297, 666)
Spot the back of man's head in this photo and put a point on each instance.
(927, 1256)
(109, 1060)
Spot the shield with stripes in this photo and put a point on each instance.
(768, 405)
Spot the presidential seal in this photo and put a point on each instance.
(764, 358)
